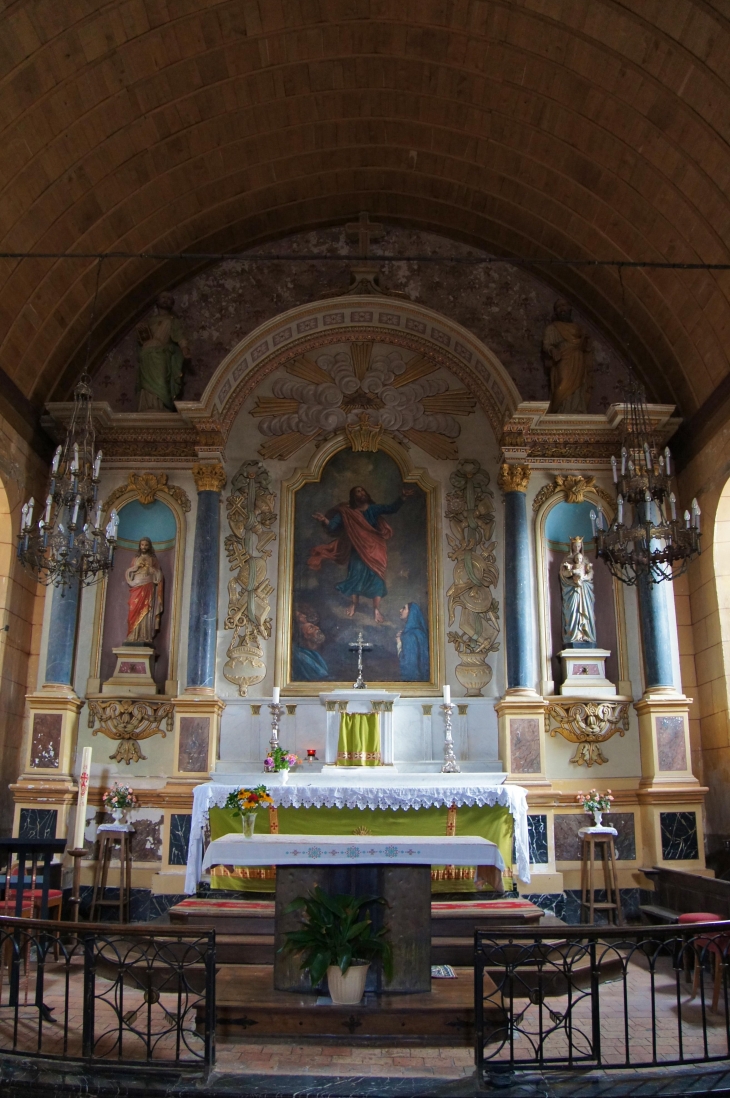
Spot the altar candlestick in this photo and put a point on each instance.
(275, 695)
(82, 799)
(447, 694)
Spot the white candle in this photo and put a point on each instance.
(83, 796)
(276, 695)
(447, 694)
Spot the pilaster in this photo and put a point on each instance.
(522, 738)
(209, 480)
(197, 736)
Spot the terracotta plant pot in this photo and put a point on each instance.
(350, 988)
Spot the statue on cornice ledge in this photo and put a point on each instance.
(568, 355)
(163, 350)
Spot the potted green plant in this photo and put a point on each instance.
(338, 940)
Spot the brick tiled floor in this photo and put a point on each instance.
(676, 1019)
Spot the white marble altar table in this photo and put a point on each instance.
(235, 849)
(399, 791)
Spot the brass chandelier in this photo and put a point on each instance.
(67, 545)
(645, 538)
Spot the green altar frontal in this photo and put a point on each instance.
(495, 824)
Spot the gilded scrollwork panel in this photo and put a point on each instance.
(470, 514)
(129, 720)
(588, 724)
(250, 516)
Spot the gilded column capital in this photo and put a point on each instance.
(209, 478)
(514, 478)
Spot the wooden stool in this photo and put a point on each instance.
(109, 835)
(604, 841)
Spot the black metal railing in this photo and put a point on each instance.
(601, 997)
(119, 994)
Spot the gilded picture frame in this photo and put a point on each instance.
(288, 594)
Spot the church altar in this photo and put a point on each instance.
(371, 790)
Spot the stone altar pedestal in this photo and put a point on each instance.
(407, 890)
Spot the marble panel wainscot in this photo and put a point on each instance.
(38, 823)
(524, 734)
(568, 843)
(45, 745)
(146, 840)
(538, 839)
(194, 739)
(671, 749)
(679, 836)
(179, 838)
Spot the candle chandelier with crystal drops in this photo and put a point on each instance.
(66, 545)
(645, 538)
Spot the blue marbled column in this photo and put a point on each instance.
(62, 635)
(204, 592)
(655, 634)
(518, 623)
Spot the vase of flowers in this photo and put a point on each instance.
(118, 800)
(596, 803)
(279, 761)
(247, 803)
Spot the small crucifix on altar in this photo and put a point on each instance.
(360, 645)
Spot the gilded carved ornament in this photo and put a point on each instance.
(588, 724)
(470, 514)
(130, 720)
(514, 478)
(209, 478)
(574, 488)
(250, 515)
(148, 487)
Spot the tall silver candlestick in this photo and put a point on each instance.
(450, 765)
(277, 712)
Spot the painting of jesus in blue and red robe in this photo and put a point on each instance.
(360, 563)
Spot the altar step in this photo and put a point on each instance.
(253, 949)
(248, 1006)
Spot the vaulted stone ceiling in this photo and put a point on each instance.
(589, 129)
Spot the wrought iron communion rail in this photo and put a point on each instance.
(135, 996)
(601, 997)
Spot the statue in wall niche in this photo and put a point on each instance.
(568, 355)
(146, 596)
(162, 352)
(578, 598)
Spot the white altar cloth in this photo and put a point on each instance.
(397, 792)
(235, 849)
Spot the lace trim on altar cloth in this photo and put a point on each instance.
(512, 797)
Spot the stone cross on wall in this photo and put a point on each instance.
(365, 230)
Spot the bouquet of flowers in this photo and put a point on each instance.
(279, 759)
(119, 798)
(247, 801)
(593, 801)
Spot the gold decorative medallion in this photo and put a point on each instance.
(148, 486)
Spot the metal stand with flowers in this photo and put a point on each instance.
(247, 803)
(280, 761)
(596, 804)
(118, 800)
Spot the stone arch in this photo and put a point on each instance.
(407, 324)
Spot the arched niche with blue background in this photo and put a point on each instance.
(137, 520)
(564, 521)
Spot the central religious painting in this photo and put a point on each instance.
(360, 556)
